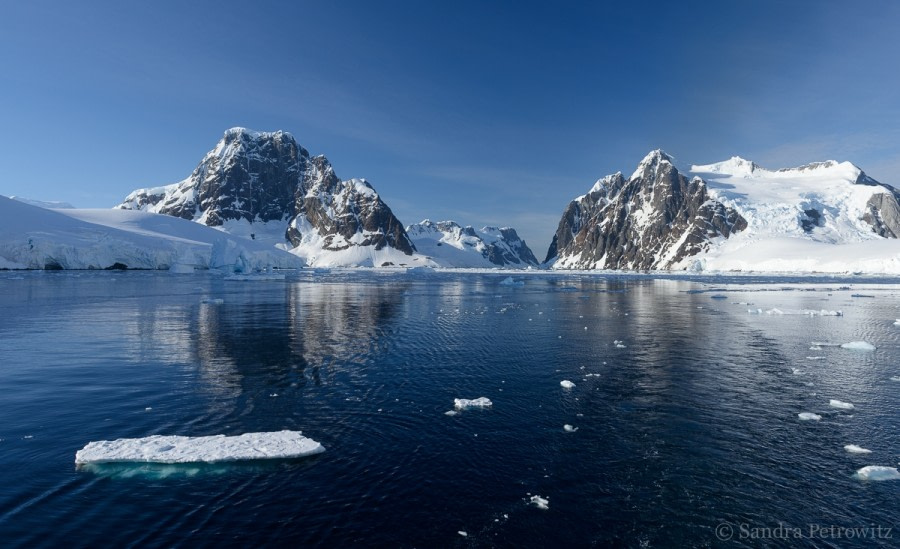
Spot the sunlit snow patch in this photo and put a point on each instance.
(566, 384)
(809, 416)
(463, 403)
(858, 346)
(208, 449)
(878, 472)
(854, 449)
(842, 405)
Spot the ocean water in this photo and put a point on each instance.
(685, 409)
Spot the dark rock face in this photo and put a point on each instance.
(651, 221)
(262, 177)
(883, 213)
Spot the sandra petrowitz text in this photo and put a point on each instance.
(742, 531)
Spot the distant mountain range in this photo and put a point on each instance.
(261, 190)
(265, 186)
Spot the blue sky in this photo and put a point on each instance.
(481, 112)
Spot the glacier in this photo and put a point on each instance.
(33, 237)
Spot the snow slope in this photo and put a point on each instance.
(451, 245)
(36, 238)
(817, 217)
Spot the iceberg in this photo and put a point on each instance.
(877, 472)
(858, 346)
(207, 449)
(543, 503)
(839, 404)
(463, 403)
(854, 449)
(809, 416)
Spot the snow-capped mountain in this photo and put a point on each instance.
(451, 245)
(33, 237)
(732, 215)
(265, 186)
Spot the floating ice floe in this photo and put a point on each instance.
(480, 402)
(566, 384)
(211, 301)
(897, 322)
(878, 472)
(895, 378)
(854, 449)
(544, 503)
(510, 281)
(451, 413)
(804, 312)
(839, 404)
(463, 533)
(815, 358)
(208, 449)
(809, 416)
(569, 429)
(797, 371)
(858, 346)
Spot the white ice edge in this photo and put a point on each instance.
(878, 472)
(480, 402)
(207, 449)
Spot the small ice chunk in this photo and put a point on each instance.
(839, 404)
(569, 429)
(566, 384)
(544, 503)
(878, 472)
(451, 413)
(854, 449)
(797, 371)
(509, 281)
(210, 449)
(895, 378)
(211, 301)
(809, 416)
(463, 533)
(480, 402)
(858, 346)
(148, 408)
(897, 322)
(815, 358)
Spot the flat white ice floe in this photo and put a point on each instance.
(809, 416)
(878, 472)
(897, 322)
(839, 404)
(480, 402)
(858, 346)
(208, 449)
(854, 449)
(566, 384)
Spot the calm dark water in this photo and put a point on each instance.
(690, 425)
